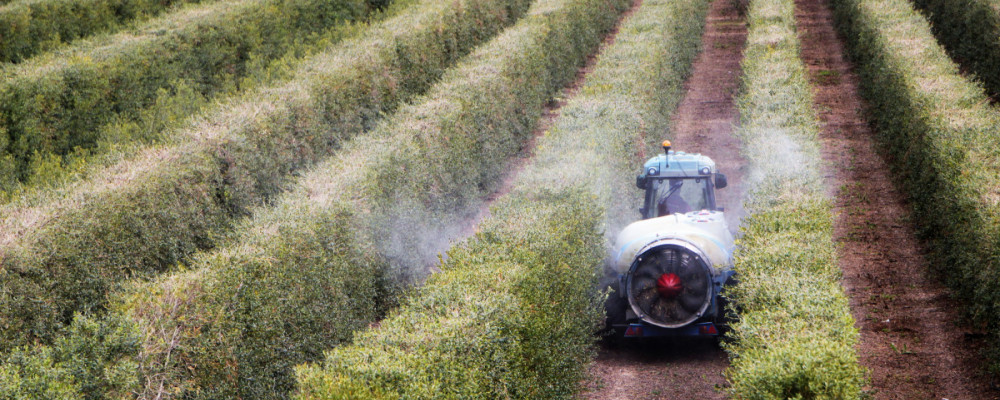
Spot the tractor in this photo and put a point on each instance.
(671, 266)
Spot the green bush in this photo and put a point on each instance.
(514, 310)
(83, 364)
(62, 253)
(56, 104)
(173, 110)
(30, 27)
(941, 135)
(795, 335)
(302, 276)
(236, 324)
(969, 30)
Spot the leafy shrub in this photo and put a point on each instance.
(969, 30)
(30, 27)
(302, 276)
(83, 364)
(940, 133)
(62, 253)
(234, 326)
(514, 310)
(795, 335)
(55, 104)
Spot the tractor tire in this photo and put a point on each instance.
(615, 306)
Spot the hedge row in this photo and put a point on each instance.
(941, 135)
(511, 315)
(30, 27)
(149, 213)
(175, 109)
(514, 310)
(970, 32)
(303, 276)
(795, 336)
(56, 105)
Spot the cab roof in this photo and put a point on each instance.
(677, 164)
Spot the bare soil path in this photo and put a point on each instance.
(910, 342)
(703, 123)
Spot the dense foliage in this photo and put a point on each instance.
(795, 335)
(30, 27)
(62, 104)
(511, 314)
(970, 32)
(941, 135)
(83, 364)
(150, 212)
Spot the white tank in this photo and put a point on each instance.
(705, 230)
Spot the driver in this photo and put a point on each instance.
(673, 203)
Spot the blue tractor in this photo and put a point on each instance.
(672, 265)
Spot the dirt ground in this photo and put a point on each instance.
(689, 369)
(910, 342)
(703, 124)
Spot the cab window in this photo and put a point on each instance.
(680, 195)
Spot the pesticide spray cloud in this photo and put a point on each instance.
(780, 160)
(417, 238)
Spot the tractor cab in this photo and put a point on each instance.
(678, 183)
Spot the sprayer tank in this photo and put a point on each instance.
(705, 230)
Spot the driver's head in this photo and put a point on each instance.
(673, 203)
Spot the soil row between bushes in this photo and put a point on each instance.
(911, 341)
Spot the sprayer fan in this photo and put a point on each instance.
(670, 286)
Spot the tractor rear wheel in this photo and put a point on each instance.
(615, 306)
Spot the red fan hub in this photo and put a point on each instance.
(669, 285)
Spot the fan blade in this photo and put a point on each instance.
(660, 310)
(692, 302)
(644, 298)
(668, 264)
(695, 281)
(647, 272)
(640, 284)
(672, 312)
